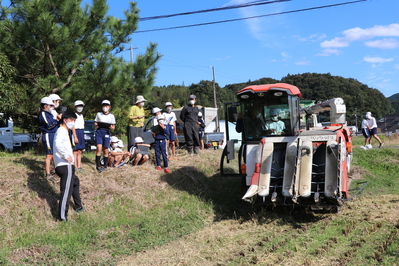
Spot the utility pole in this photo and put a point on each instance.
(217, 129)
(131, 51)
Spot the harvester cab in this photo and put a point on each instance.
(280, 160)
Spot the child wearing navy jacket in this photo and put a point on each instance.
(160, 144)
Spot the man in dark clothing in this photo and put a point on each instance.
(189, 116)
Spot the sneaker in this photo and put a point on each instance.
(100, 169)
(121, 164)
(159, 168)
(79, 210)
(167, 171)
(382, 144)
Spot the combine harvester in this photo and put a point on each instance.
(284, 163)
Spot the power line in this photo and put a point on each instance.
(260, 16)
(255, 3)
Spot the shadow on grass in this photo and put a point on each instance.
(225, 193)
(36, 182)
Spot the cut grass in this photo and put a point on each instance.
(193, 216)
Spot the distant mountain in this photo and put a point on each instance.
(394, 97)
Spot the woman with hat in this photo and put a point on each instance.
(136, 121)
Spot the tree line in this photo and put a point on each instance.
(62, 47)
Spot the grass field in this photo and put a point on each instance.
(193, 216)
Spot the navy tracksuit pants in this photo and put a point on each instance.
(160, 149)
(69, 186)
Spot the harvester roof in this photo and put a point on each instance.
(290, 89)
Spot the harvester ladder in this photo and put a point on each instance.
(297, 162)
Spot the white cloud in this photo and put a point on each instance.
(359, 34)
(310, 38)
(387, 43)
(396, 66)
(329, 52)
(302, 63)
(377, 59)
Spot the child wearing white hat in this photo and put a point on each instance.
(78, 135)
(104, 122)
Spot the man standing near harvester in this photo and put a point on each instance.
(189, 116)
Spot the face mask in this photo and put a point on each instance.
(56, 105)
(79, 109)
(169, 109)
(142, 104)
(191, 102)
(105, 109)
(70, 125)
(274, 118)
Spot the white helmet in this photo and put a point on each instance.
(79, 102)
(138, 140)
(47, 100)
(199, 114)
(54, 97)
(120, 144)
(114, 139)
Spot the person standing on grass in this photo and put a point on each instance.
(201, 128)
(64, 166)
(104, 122)
(136, 121)
(189, 116)
(160, 144)
(373, 129)
(170, 118)
(48, 126)
(78, 135)
(366, 132)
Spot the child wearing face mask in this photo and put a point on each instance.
(160, 141)
(64, 166)
(56, 100)
(78, 140)
(104, 122)
(48, 126)
(170, 122)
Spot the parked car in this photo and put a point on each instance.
(90, 132)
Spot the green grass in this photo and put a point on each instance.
(185, 202)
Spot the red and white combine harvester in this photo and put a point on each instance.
(286, 157)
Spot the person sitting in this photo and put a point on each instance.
(275, 126)
(117, 157)
(139, 151)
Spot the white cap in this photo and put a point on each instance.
(156, 110)
(120, 144)
(199, 114)
(114, 139)
(47, 100)
(105, 102)
(138, 139)
(368, 116)
(368, 113)
(79, 102)
(168, 103)
(160, 117)
(54, 97)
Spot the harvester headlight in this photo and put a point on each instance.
(278, 94)
(245, 96)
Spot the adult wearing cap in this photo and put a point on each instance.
(48, 126)
(373, 129)
(78, 143)
(136, 121)
(189, 116)
(274, 126)
(56, 100)
(170, 122)
(104, 122)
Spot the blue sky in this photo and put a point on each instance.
(359, 41)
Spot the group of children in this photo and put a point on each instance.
(63, 140)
